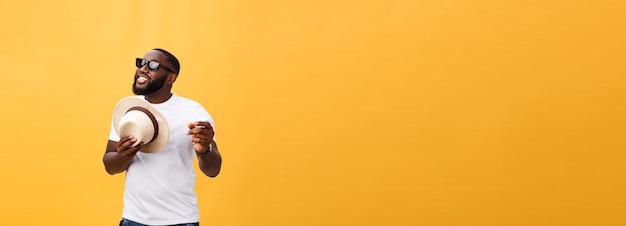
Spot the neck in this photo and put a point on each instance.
(157, 98)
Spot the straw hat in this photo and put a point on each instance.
(135, 116)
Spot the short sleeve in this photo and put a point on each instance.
(200, 114)
(113, 134)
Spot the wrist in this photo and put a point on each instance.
(205, 152)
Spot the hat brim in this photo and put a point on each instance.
(135, 101)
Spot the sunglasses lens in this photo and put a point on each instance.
(139, 62)
(153, 65)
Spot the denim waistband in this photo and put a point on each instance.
(127, 222)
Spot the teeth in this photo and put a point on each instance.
(142, 79)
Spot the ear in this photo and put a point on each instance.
(171, 78)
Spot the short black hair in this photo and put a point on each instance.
(170, 58)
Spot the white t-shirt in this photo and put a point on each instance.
(159, 187)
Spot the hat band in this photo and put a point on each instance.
(152, 118)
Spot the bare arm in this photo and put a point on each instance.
(119, 155)
(210, 163)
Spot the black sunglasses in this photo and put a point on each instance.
(152, 65)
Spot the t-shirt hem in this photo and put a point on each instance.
(168, 222)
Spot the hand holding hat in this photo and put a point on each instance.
(125, 147)
(137, 122)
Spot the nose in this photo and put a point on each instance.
(143, 69)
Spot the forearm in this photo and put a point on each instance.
(114, 163)
(210, 163)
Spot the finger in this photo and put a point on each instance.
(127, 148)
(200, 127)
(201, 146)
(124, 139)
(129, 143)
(196, 139)
(204, 134)
(132, 151)
(192, 128)
(204, 124)
(137, 147)
(200, 140)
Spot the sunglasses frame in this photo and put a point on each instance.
(140, 62)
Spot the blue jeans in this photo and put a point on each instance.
(127, 222)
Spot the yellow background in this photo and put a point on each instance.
(403, 112)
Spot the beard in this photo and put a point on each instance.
(153, 86)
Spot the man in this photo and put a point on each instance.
(159, 187)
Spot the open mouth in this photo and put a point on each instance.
(142, 79)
